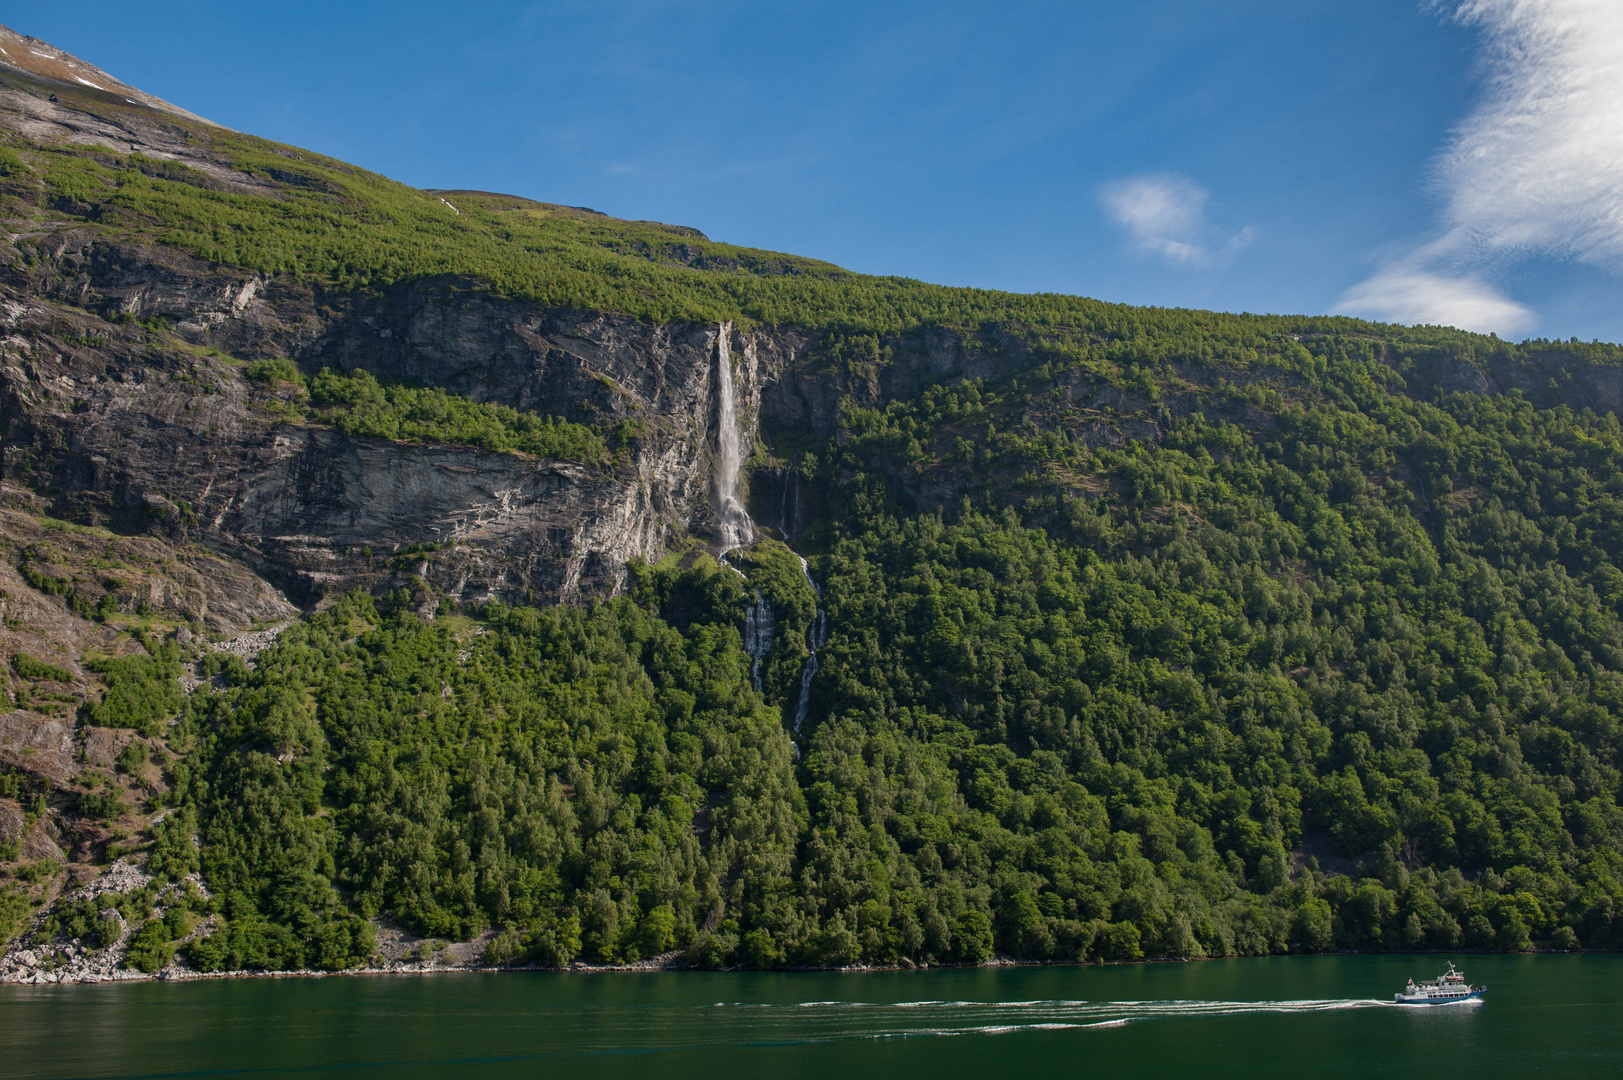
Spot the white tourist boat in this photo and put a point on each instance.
(1448, 988)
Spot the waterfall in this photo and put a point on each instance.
(783, 510)
(804, 704)
(736, 526)
(789, 505)
(737, 530)
(816, 636)
(758, 627)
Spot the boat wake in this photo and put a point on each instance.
(825, 1020)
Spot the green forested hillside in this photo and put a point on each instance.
(1324, 658)
(1348, 680)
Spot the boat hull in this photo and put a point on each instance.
(1460, 999)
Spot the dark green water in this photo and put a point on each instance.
(1558, 1016)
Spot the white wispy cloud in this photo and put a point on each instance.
(1166, 214)
(1535, 170)
(1539, 165)
(1409, 294)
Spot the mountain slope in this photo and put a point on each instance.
(39, 60)
(1122, 631)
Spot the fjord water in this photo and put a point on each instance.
(1320, 1016)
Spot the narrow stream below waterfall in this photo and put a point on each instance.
(816, 635)
(758, 626)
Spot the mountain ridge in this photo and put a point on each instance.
(40, 59)
(1138, 631)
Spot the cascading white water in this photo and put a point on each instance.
(788, 518)
(804, 704)
(758, 626)
(816, 636)
(736, 527)
(783, 509)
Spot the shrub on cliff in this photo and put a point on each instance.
(29, 668)
(358, 404)
(272, 371)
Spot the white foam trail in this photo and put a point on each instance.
(1082, 1013)
(808, 1022)
(984, 1029)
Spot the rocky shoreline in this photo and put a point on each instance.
(72, 960)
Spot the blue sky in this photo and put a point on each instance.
(1443, 162)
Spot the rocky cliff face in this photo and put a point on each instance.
(145, 426)
(149, 429)
(128, 427)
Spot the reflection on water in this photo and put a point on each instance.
(1547, 1015)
